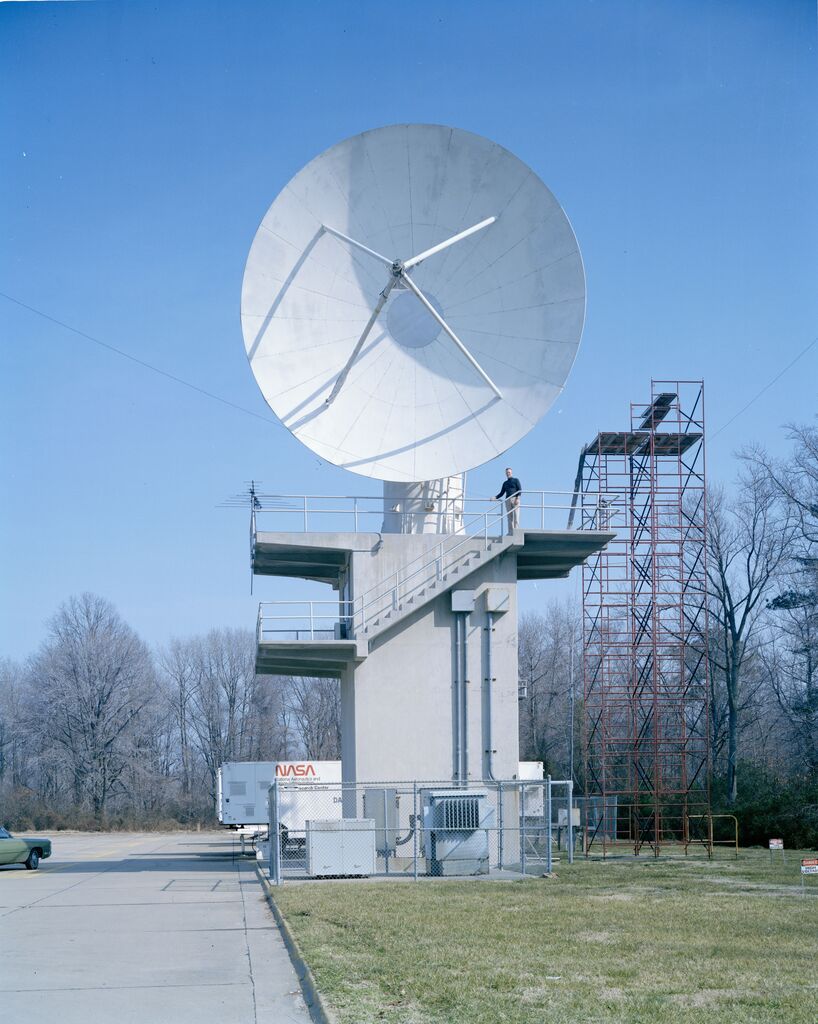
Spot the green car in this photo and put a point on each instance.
(23, 851)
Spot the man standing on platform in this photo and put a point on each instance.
(511, 491)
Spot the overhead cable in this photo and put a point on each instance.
(140, 362)
(766, 387)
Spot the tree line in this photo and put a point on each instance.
(97, 727)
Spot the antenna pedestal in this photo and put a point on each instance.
(432, 506)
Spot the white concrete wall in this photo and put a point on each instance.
(387, 554)
(398, 705)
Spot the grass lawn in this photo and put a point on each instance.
(726, 942)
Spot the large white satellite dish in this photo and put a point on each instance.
(413, 302)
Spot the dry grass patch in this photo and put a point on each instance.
(647, 942)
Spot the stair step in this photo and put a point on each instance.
(464, 565)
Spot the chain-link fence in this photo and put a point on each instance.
(419, 829)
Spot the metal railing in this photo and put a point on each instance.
(296, 513)
(391, 595)
(304, 620)
(388, 597)
(322, 620)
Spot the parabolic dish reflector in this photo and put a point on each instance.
(402, 368)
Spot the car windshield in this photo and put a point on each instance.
(4, 834)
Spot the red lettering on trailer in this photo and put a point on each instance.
(299, 770)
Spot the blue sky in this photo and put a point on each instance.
(141, 145)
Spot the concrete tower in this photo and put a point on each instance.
(424, 641)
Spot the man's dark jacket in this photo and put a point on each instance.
(511, 486)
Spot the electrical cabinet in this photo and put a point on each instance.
(456, 826)
(382, 806)
(342, 847)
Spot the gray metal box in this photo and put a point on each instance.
(381, 805)
(342, 847)
(462, 600)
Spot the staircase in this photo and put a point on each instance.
(392, 600)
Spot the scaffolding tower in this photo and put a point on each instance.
(645, 666)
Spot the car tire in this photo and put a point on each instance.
(33, 861)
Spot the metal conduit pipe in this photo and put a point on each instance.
(489, 680)
(570, 788)
(458, 760)
(465, 699)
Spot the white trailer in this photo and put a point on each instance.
(242, 788)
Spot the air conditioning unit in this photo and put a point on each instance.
(455, 830)
(345, 846)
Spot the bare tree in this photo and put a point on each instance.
(178, 662)
(547, 649)
(796, 481)
(315, 707)
(223, 676)
(747, 544)
(89, 682)
(795, 606)
(229, 713)
(15, 754)
(789, 657)
(90, 723)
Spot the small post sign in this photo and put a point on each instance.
(776, 844)
(809, 866)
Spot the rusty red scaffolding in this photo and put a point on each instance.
(646, 744)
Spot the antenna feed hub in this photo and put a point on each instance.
(397, 268)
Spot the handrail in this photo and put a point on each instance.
(711, 842)
(395, 589)
(335, 615)
(453, 543)
(261, 497)
(537, 503)
(390, 593)
(402, 577)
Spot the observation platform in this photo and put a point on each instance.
(541, 554)
(552, 554)
(642, 442)
(311, 657)
(384, 578)
(307, 556)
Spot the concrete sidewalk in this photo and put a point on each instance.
(148, 928)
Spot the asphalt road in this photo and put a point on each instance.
(147, 928)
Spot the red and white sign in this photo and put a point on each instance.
(776, 844)
(809, 866)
